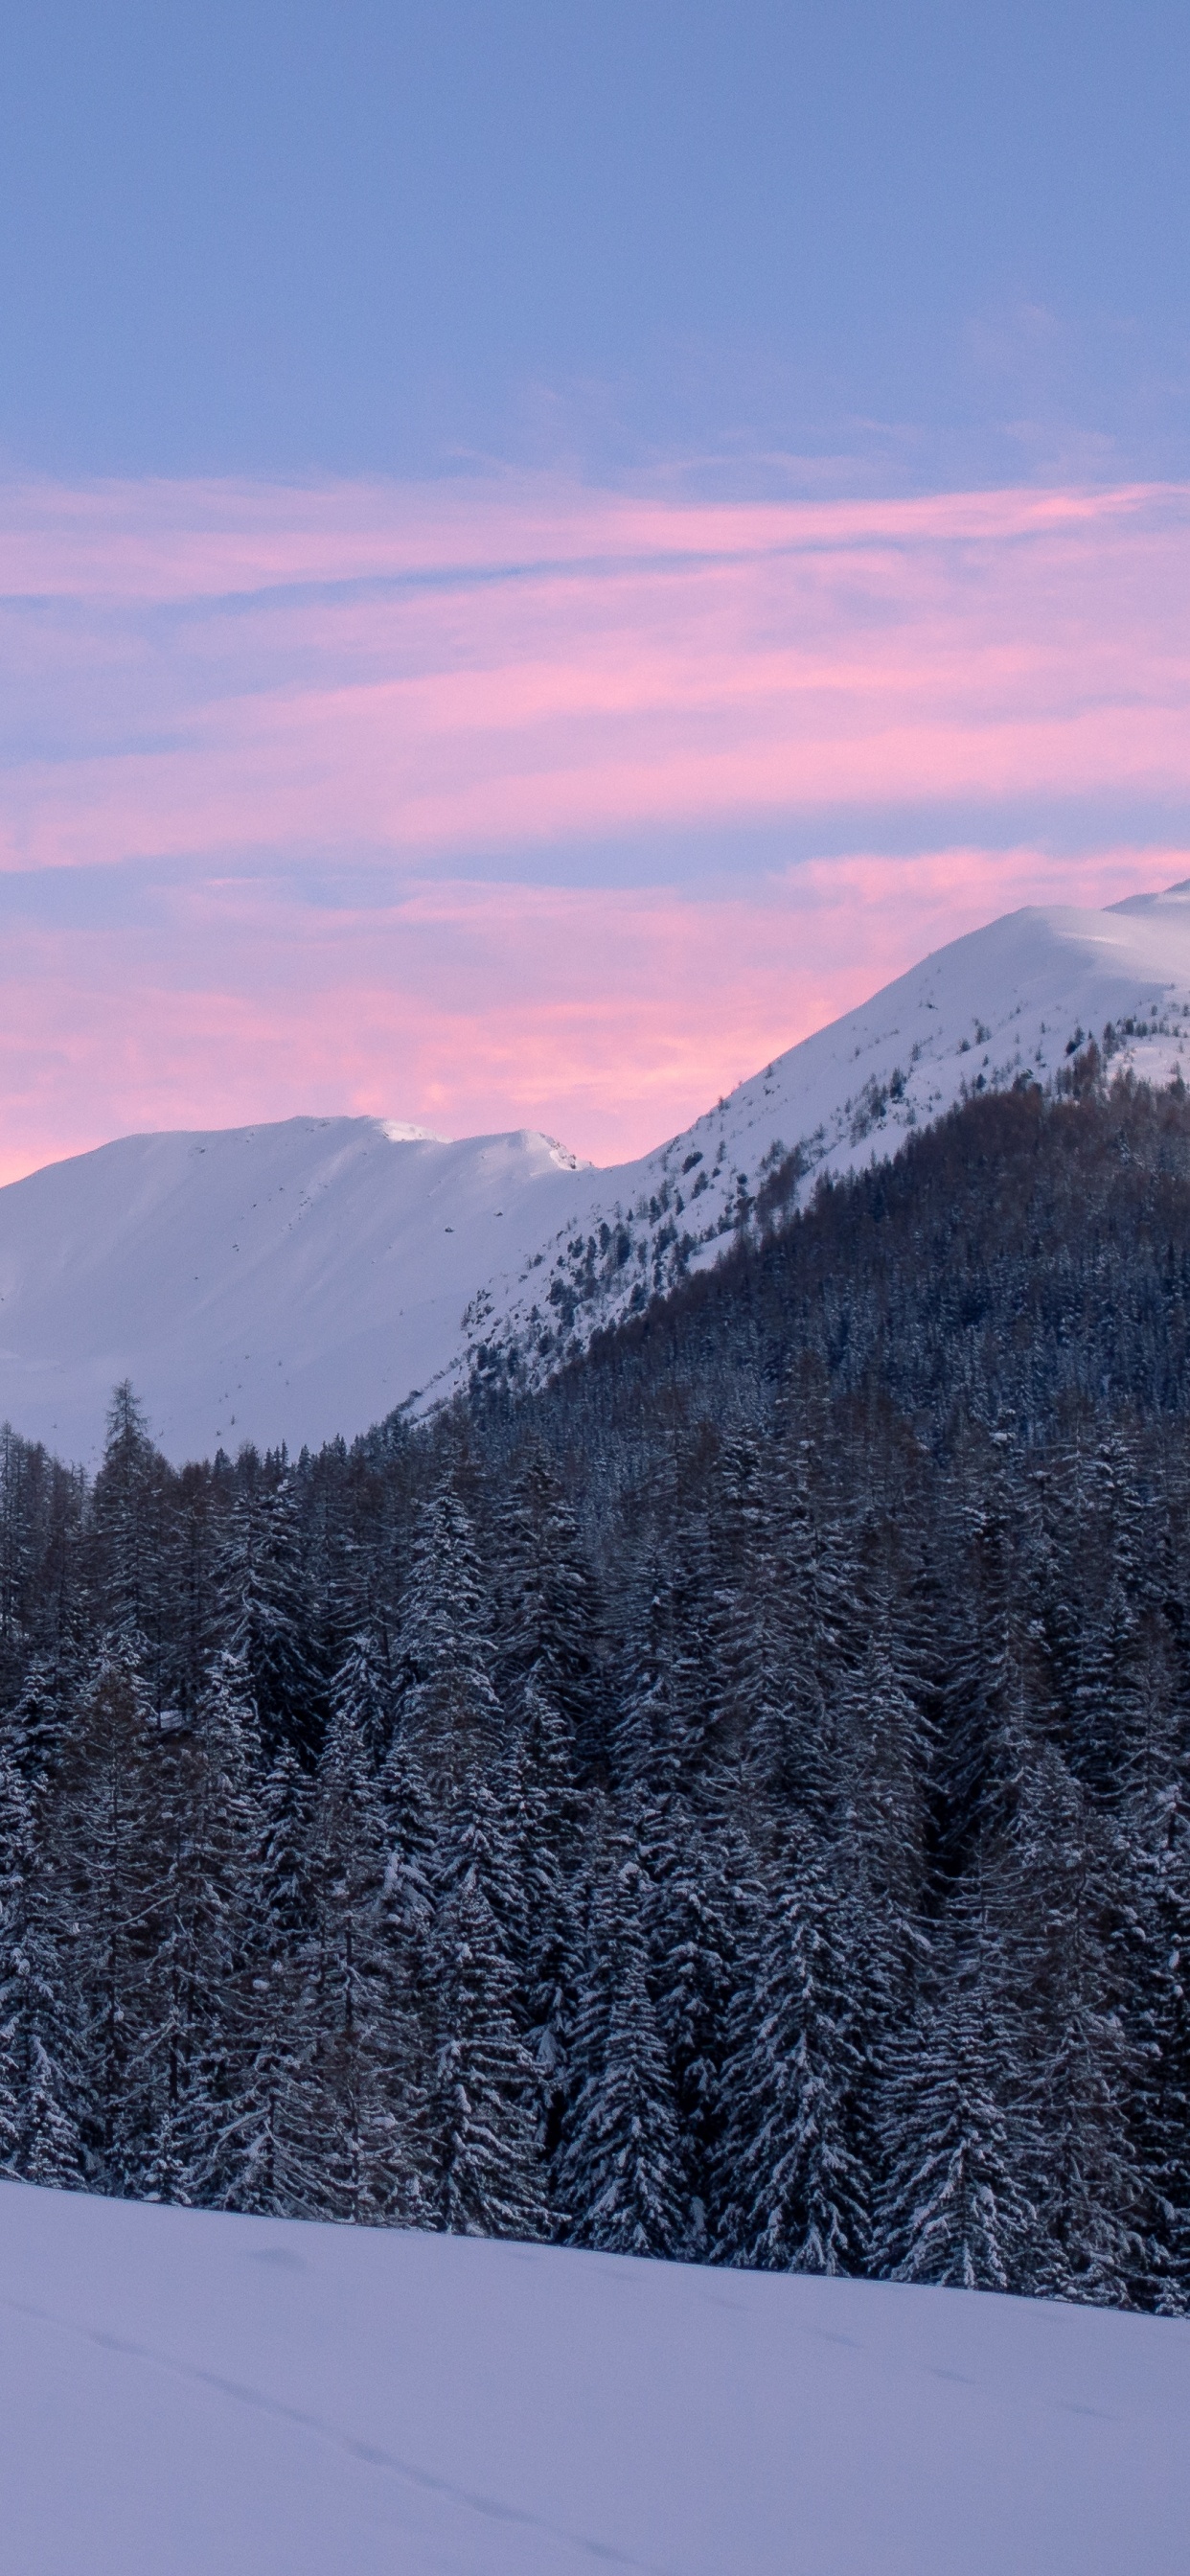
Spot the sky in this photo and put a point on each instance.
(547, 552)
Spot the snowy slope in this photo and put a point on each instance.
(1014, 998)
(297, 1281)
(183, 2394)
(271, 1283)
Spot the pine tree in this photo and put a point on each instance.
(360, 1687)
(543, 1827)
(208, 1805)
(485, 2178)
(40, 1725)
(701, 1912)
(617, 2177)
(360, 2016)
(961, 2143)
(650, 1741)
(269, 1625)
(874, 1792)
(753, 1685)
(131, 1543)
(548, 1607)
(992, 1682)
(449, 1706)
(1089, 2191)
(110, 1847)
(1106, 1628)
(1156, 1841)
(41, 2069)
(796, 2194)
(271, 2159)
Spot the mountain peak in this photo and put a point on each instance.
(291, 1281)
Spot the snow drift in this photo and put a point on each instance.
(219, 2396)
(298, 1281)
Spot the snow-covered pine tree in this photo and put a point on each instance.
(548, 1610)
(205, 1913)
(796, 2195)
(362, 2058)
(449, 1708)
(960, 2139)
(750, 1681)
(1155, 1834)
(410, 1828)
(268, 1617)
(543, 1811)
(701, 1920)
(785, 1612)
(131, 1555)
(41, 2070)
(1063, 1889)
(659, 1719)
(874, 1789)
(485, 2177)
(361, 1687)
(618, 2167)
(40, 1724)
(273, 2137)
(993, 1680)
(108, 1845)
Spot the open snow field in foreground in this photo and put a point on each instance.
(183, 2394)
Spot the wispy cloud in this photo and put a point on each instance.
(336, 760)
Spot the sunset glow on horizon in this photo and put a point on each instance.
(520, 802)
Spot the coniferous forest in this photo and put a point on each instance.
(733, 1804)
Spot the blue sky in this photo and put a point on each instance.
(545, 551)
(759, 246)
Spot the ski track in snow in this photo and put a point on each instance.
(239, 2393)
(299, 1281)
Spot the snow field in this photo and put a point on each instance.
(188, 2394)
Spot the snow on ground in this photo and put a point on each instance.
(183, 2394)
(298, 1281)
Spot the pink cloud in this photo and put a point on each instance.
(215, 682)
(657, 665)
(176, 540)
(610, 1018)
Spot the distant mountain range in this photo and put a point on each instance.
(297, 1281)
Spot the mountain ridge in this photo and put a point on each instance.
(348, 1267)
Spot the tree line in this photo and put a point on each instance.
(732, 1805)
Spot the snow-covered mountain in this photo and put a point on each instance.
(266, 1283)
(296, 1281)
(214, 2396)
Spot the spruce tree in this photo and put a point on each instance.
(1066, 1894)
(796, 2194)
(41, 2058)
(206, 1916)
(960, 2133)
(701, 1912)
(484, 2176)
(449, 1708)
(1155, 1838)
(110, 1842)
(548, 1607)
(271, 2159)
(359, 2014)
(269, 1619)
(361, 1687)
(618, 2183)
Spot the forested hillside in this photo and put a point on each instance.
(733, 1804)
